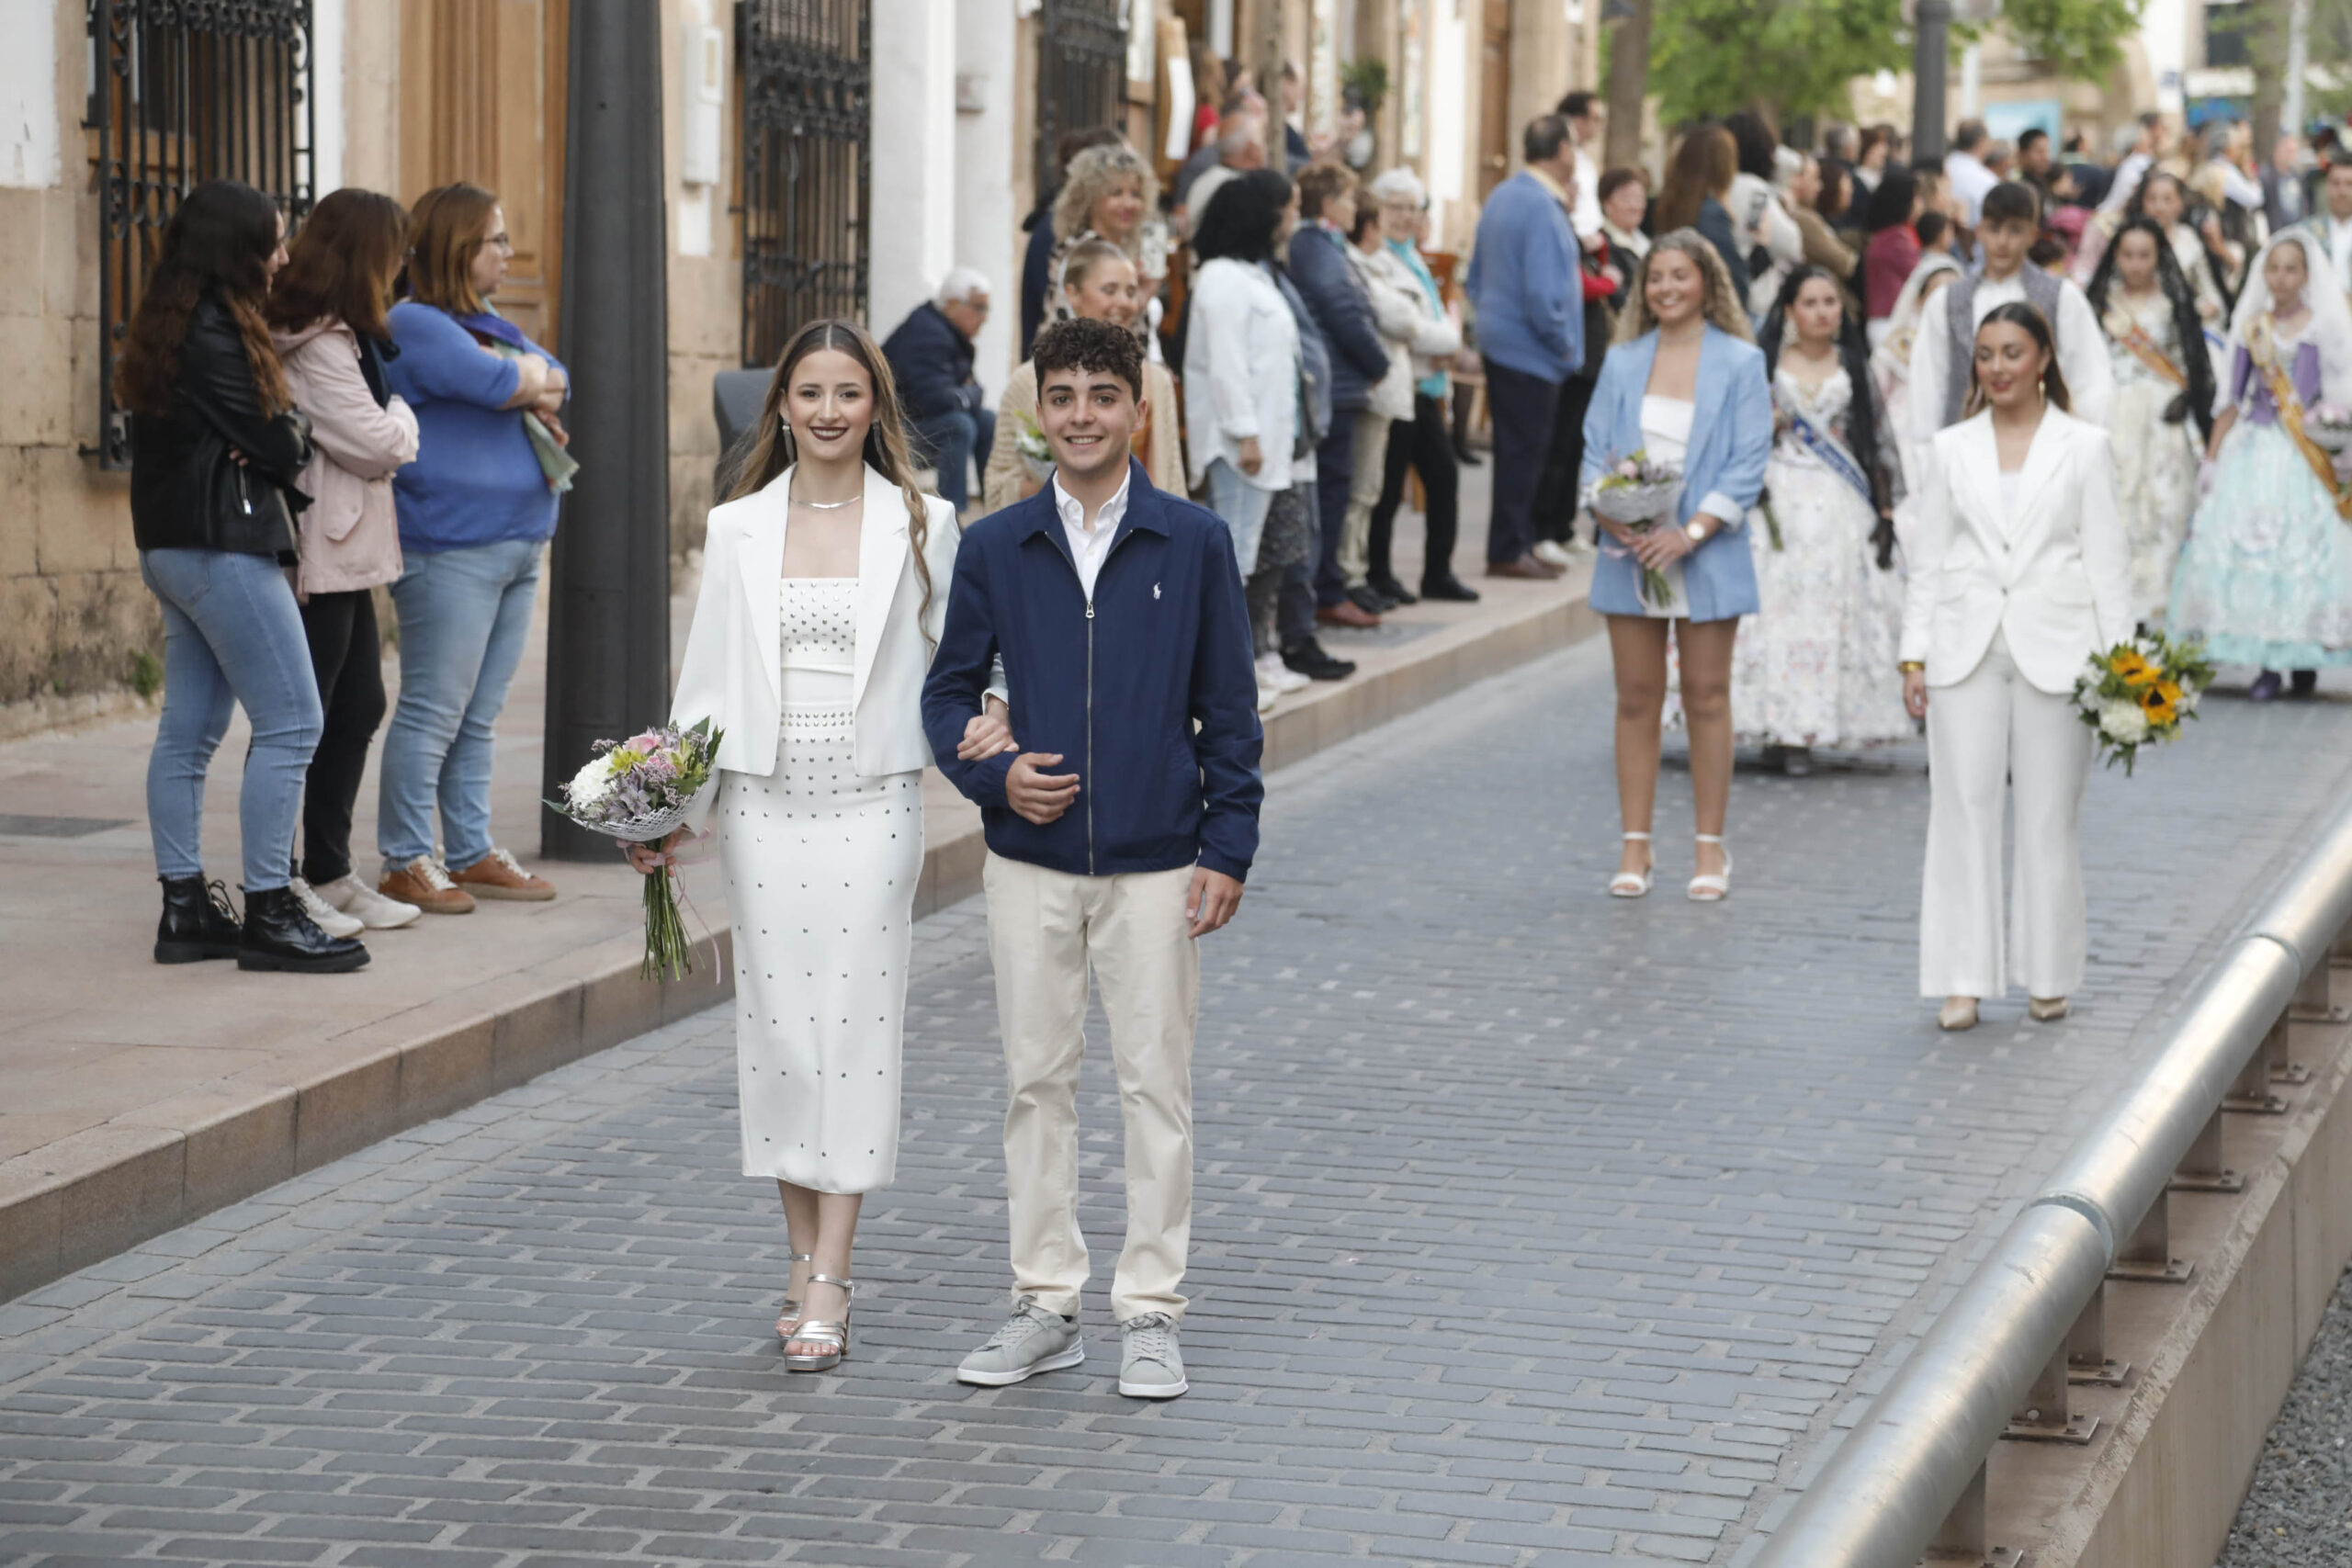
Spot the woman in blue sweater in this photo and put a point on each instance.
(476, 509)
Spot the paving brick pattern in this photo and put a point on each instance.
(1534, 1227)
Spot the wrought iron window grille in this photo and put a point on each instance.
(1081, 74)
(181, 92)
(806, 101)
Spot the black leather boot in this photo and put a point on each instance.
(198, 922)
(279, 936)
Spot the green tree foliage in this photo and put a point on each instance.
(1796, 57)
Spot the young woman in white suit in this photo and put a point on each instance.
(824, 587)
(2019, 572)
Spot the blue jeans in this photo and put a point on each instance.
(951, 442)
(464, 617)
(1243, 506)
(231, 634)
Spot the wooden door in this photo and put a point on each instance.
(482, 101)
(1494, 98)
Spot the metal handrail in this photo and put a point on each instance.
(1921, 1446)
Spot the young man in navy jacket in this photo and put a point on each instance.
(1119, 832)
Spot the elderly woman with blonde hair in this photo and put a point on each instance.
(1109, 195)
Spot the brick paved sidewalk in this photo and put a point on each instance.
(1534, 1227)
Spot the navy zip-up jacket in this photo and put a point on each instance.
(1115, 685)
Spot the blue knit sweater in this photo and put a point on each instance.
(1524, 283)
(475, 481)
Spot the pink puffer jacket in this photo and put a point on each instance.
(350, 536)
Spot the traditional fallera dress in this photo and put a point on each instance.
(2155, 461)
(2266, 577)
(1815, 665)
(820, 866)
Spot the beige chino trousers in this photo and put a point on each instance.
(1363, 494)
(1045, 929)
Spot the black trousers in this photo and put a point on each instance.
(347, 655)
(1424, 444)
(1555, 498)
(1335, 467)
(1523, 407)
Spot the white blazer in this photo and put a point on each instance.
(1241, 363)
(2054, 581)
(732, 673)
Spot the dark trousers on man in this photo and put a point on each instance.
(1556, 498)
(1335, 467)
(347, 660)
(1295, 609)
(952, 443)
(1523, 407)
(1424, 444)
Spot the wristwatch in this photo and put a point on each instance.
(1696, 532)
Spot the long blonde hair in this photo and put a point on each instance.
(1723, 309)
(774, 450)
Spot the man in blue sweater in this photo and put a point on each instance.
(1524, 283)
(1119, 832)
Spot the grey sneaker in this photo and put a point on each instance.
(1032, 1340)
(1151, 1366)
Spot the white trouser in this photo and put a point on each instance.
(1990, 728)
(1044, 929)
(1363, 494)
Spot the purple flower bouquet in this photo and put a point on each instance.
(640, 790)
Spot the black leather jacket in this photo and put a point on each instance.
(187, 492)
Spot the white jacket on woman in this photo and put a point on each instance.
(2056, 579)
(1240, 372)
(732, 673)
(1400, 307)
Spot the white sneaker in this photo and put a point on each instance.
(1267, 698)
(324, 915)
(1551, 552)
(1279, 677)
(367, 905)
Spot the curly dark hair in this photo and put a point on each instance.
(1090, 345)
(218, 243)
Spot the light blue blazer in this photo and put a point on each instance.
(1731, 435)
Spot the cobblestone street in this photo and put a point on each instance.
(1532, 1227)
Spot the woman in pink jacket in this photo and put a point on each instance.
(326, 312)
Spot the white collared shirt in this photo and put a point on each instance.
(1088, 547)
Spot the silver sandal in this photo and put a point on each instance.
(819, 1331)
(791, 1313)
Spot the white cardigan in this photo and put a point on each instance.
(1240, 372)
(2055, 580)
(732, 672)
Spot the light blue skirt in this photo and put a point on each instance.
(2265, 578)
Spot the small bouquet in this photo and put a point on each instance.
(2329, 425)
(2137, 694)
(639, 790)
(1029, 442)
(1638, 493)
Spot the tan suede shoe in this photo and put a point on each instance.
(424, 882)
(496, 875)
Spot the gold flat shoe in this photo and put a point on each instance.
(1959, 1013)
(2046, 1009)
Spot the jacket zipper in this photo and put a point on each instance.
(242, 498)
(1087, 787)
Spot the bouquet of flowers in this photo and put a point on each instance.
(639, 790)
(2329, 425)
(2137, 694)
(1637, 493)
(1029, 442)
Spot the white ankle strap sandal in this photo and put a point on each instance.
(1633, 885)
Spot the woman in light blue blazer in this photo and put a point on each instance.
(1684, 384)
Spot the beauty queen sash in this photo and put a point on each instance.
(1833, 454)
(2264, 352)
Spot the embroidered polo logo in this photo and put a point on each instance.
(1155, 590)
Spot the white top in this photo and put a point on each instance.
(1090, 547)
(2011, 483)
(2082, 352)
(1970, 182)
(2128, 175)
(1241, 364)
(1585, 219)
(819, 631)
(1666, 427)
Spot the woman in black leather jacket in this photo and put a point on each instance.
(215, 447)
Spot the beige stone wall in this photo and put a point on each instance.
(73, 617)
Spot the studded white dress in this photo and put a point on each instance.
(820, 866)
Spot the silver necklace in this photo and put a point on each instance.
(828, 505)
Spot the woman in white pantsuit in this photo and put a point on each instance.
(2019, 572)
(824, 588)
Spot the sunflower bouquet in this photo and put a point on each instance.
(2137, 692)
